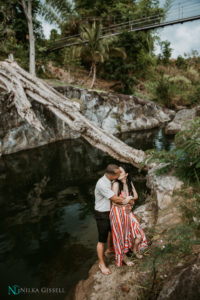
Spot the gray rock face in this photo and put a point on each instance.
(162, 187)
(180, 120)
(113, 112)
(116, 112)
(184, 284)
(16, 134)
(146, 214)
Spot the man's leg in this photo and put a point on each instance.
(100, 252)
(103, 225)
(109, 244)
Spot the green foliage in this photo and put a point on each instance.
(181, 63)
(195, 97)
(166, 52)
(94, 49)
(185, 157)
(163, 91)
(191, 212)
(55, 11)
(14, 32)
(172, 90)
(138, 46)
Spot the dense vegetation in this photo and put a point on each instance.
(184, 158)
(130, 63)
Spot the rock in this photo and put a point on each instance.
(146, 214)
(172, 217)
(113, 112)
(125, 288)
(16, 134)
(119, 113)
(180, 120)
(183, 284)
(122, 283)
(162, 187)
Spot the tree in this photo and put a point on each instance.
(19, 16)
(166, 52)
(56, 11)
(22, 86)
(27, 7)
(95, 49)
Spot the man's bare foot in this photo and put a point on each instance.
(129, 263)
(104, 270)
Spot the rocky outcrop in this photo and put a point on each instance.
(180, 122)
(116, 112)
(162, 187)
(113, 112)
(16, 133)
(158, 213)
(183, 283)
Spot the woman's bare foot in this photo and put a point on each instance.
(104, 270)
(127, 261)
(140, 256)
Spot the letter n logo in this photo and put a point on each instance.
(15, 290)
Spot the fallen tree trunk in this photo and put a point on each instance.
(21, 85)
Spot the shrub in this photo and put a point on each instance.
(195, 98)
(163, 91)
(184, 158)
(193, 75)
(181, 63)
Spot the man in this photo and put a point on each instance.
(103, 195)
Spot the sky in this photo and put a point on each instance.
(183, 37)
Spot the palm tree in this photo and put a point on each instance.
(92, 47)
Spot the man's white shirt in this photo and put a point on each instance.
(103, 192)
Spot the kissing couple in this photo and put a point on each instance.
(114, 199)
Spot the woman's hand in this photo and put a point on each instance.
(127, 200)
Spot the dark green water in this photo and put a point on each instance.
(48, 234)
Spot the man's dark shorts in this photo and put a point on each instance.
(103, 224)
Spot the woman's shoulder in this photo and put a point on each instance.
(115, 183)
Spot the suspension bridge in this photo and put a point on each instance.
(179, 15)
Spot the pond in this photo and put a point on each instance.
(48, 233)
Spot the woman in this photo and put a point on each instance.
(126, 230)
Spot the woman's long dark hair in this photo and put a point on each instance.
(128, 181)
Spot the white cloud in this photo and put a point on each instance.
(183, 37)
(47, 28)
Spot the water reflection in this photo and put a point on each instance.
(47, 231)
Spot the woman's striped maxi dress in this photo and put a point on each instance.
(125, 228)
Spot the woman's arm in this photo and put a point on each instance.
(115, 188)
(117, 199)
(135, 195)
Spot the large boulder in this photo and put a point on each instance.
(118, 113)
(184, 283)
(17, 134)
(180, 122)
